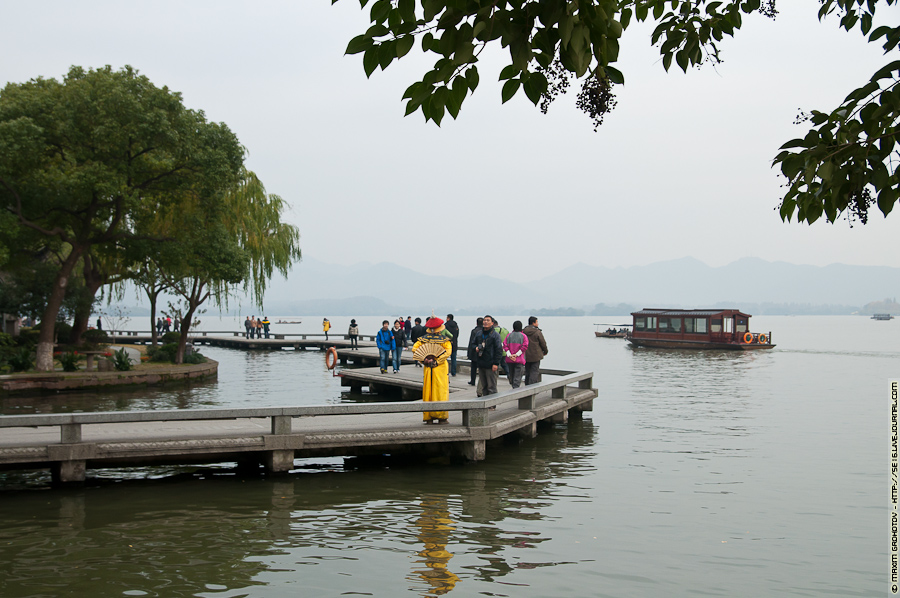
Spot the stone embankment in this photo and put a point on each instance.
(144, 374)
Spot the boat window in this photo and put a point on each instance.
(740, 325)
(727, 325)
(695, 325)
(651, 324)
(640, 324)
(716, 325)
(672, 325)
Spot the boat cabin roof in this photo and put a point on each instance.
(688, 313)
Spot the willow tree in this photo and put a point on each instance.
(85, 159)
(241, 240)
(845, 163)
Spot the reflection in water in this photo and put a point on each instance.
(435, 528)
(208, 532)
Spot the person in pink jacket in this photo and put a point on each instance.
(514, 348)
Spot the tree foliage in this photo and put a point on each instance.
(86, 160)
(844, 164)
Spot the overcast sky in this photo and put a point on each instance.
(682, 167)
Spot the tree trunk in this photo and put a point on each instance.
(44, 353)
(93, 280)
(194, 300)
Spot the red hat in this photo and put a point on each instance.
(434, 323)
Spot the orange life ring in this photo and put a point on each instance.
(763, 339)
(330, 358)
(748, 337)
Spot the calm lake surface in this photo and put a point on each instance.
(697, 474)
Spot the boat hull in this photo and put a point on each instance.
(685, 344)
(608, 335)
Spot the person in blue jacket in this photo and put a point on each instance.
(385, 341)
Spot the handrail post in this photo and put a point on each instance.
(70, 433)
(527, 403)
(473, 418)
(586, 383)
(281, 424)
(559, 392)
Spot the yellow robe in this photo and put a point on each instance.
(436, 382)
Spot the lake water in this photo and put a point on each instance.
(697, 474)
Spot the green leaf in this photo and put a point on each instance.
(479, 27)
(426, 41)
(885, 71)
(404, 45)
(370, 60)
(358, 44)
(508, 72)
(509, 90)
(472, 78)
(380, 11)
(407, 9)
(681, 57)
(614, 75)
(535, 85)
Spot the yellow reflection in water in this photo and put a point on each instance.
(435, 527)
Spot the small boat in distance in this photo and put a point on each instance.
(696, 329)
(882, 317)
(612, 331)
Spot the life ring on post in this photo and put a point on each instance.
(330, 358)
(763, 339)
(748, 337)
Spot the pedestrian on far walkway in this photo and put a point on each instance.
(326, 326)
(488, 353)
(514, 347)
(453, 327)
(470, 352)
(353, 334)
(385, 342)
(266, 323)
(537, 349)
(415, 334)
(399, 343)
(247, 325)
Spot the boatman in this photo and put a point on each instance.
(435, 383)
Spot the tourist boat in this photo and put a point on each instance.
(612, 332)
(882, 317)
(696, 329)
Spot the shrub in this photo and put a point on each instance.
(28, 338)
(194, 358)
(95, 337)
(121, 361)
(63, 332)
(164, 353)
(171, 337)
(69, 362)
(22, 361)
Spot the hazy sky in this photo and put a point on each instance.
(680, 168)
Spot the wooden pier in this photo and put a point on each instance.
(70, 444)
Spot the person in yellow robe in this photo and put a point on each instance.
(436, 382)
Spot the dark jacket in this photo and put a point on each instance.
(385, 339)
(399, 337)
(417, 331)
(537, 346)
(453, 327)
(491, 349)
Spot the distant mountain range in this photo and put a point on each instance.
(314, 287)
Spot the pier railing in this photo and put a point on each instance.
(475, 412)
(274, 335)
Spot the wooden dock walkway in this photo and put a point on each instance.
(273, 437)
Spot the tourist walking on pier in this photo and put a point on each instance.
(326, 326)
(407, 327)
(159, 326)
(385, 342)
(537, 349)
(399, 343)
(99, 324)
(488, 353)
(435, 381)
(453, 327)
(415, 334)
(514, 347)
(247, 325)
(265, 324)
(353, 333)
(470, 351)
